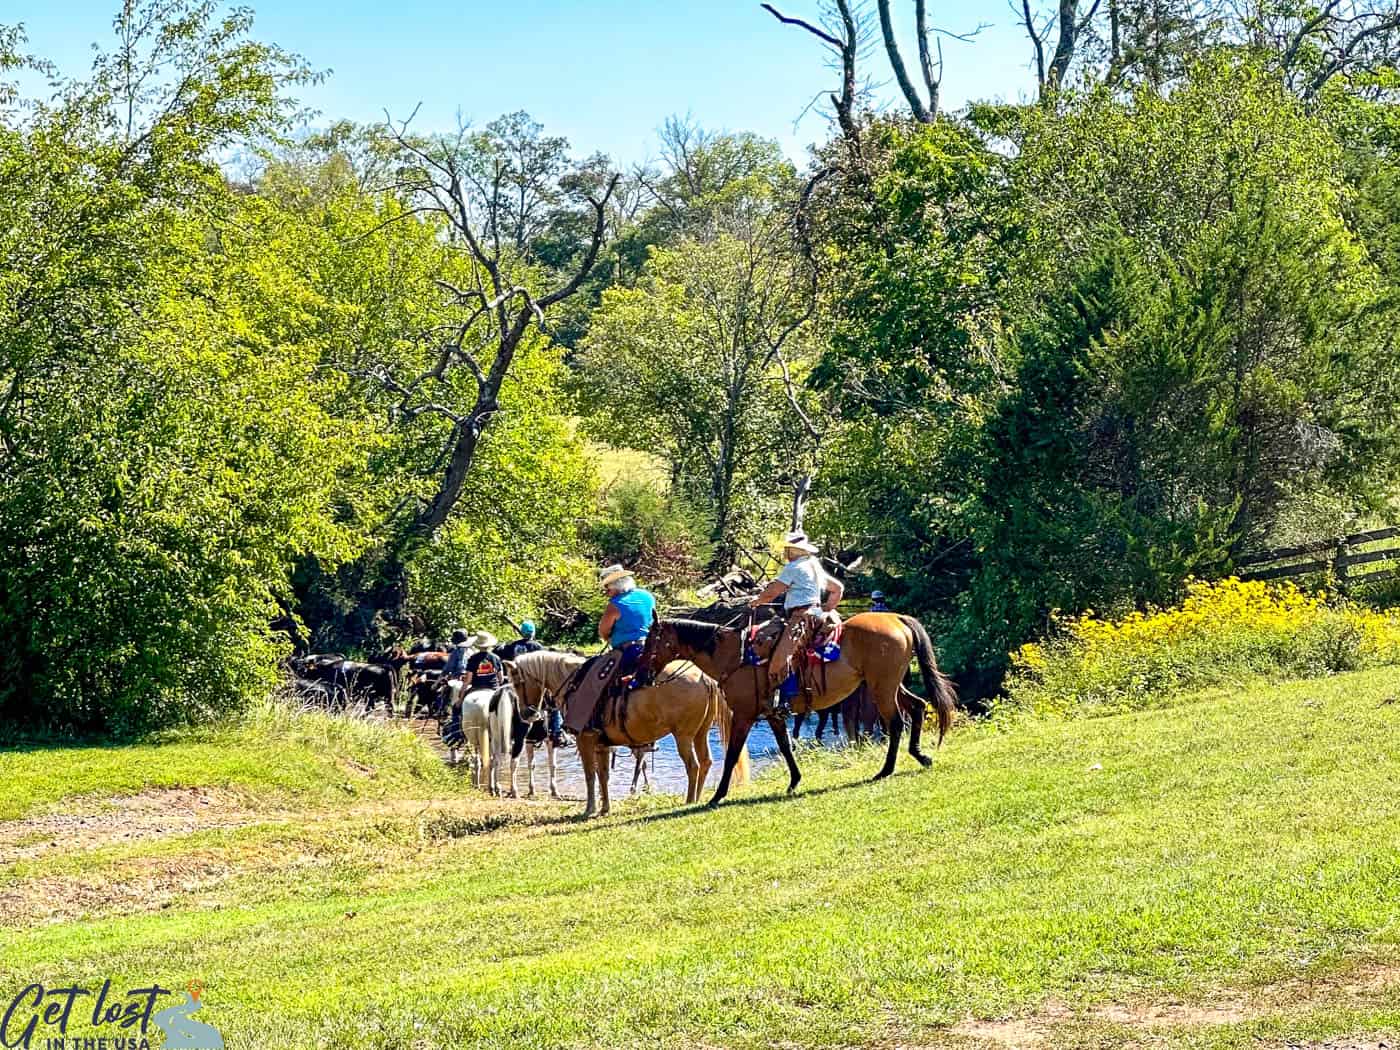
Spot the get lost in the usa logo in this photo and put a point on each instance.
(38, 1018)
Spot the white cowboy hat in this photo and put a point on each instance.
(607, 577)
(799, 541)
(483, 640)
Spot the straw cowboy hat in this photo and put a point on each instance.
(609, 576)
(483, 640)
(799, 541)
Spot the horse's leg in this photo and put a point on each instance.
(918, 710)
(704, 758)
(529, 769)
(638, 768)
(738, 737)
(483, 748)
(604, 768)
(549, 761)
(685, 748)
(785, 747)
(888, 706)
(798, 721)
(588, 756)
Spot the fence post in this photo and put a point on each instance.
(1339, 566)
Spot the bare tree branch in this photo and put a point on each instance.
(922, 113)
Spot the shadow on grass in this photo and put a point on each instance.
(687, 810)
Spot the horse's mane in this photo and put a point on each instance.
(548, 668)
(697, 634)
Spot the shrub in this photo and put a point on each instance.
(1222, 632)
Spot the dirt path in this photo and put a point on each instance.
(1144, 1022)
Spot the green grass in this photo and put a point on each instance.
(1224, 844)
(274, 754)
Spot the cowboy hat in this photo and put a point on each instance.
(799, 541)
(607, 577)
(483, 640)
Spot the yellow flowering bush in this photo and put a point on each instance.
(1224, 631)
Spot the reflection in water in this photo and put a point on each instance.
(664, 764)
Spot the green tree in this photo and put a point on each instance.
(164, 451)
(686, 365)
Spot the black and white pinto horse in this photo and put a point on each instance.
(496, 724)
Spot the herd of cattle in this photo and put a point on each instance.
(333, 681)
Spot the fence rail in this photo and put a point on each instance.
(1336, 555)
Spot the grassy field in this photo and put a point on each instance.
(1223, 872)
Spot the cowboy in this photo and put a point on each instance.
(624, 626)
(808, 593)
(484, 668)
(626, 621)
(458, 655)
(524, 644)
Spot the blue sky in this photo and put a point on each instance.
(604, 73)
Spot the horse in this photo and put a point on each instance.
(681, 702)
(515, 728)
(469, 723)
(876, 650)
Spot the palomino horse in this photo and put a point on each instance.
(876, 650)
(682, 702)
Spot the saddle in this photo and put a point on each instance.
(598, 693)
(816, 643)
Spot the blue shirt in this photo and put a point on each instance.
(635, 611)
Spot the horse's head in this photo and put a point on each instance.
(530, 696)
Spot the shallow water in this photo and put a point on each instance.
(664, 771)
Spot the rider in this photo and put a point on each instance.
(524, 644)
(624, 626)
(457, 656)
(801, 585)
(626, 621)
(484, 667)
(877, 602)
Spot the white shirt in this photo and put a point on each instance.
(805, 580)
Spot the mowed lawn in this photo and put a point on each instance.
(1224, 872)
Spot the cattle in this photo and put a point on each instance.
(356, 681)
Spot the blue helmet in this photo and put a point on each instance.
(527, 629)
(878, 596)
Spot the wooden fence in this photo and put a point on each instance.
(1337, 556)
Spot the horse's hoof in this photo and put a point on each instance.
(924, 760)
(713, 803)
(880, 775)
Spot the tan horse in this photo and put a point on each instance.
(683, 703)
(876, 650)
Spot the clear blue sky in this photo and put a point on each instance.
(604, 73)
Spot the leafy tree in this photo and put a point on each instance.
(165, 455)
(686, 365)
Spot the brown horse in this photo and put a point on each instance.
(876, 650)
(682, 702)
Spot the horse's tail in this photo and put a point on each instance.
(937, 685)
(724, 718)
